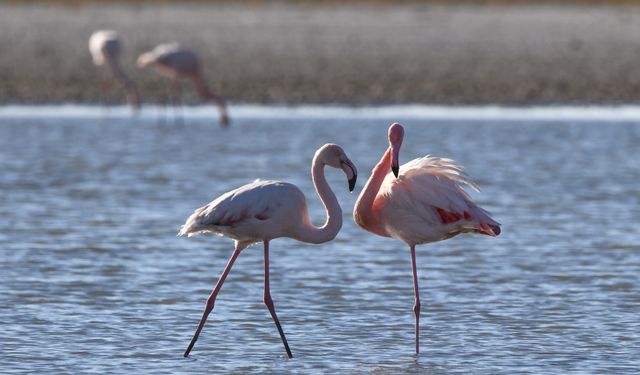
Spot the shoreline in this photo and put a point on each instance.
(320, 53)
(403, 112)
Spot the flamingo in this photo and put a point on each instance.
(175, 62)
(105, 47)
(264, 210)
(425, 202)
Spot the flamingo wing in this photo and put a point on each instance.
(258, 201)
(431, 189)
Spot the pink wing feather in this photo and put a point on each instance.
(257, 201)
(433, 189)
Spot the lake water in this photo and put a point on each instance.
(94, 280)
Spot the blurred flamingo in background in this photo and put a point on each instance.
(264, 210)
(105, 47)
(425, 202)
(175, 62)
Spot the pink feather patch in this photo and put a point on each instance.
(447, 217)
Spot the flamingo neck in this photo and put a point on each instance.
(310, 233)
(120, 76)
(116, 71)
(206, 93)
(363, 212)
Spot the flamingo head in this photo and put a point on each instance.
(396, 134)
(334, 156)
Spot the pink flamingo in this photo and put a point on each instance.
(264, 210)
(175, 62)
(425, 202)
(105, 48)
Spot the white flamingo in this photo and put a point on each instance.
(423, 201)
(264, 210)
(105, 47)
(175, 62)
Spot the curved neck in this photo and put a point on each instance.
(206, 93)
(117, 72)
(119, 75)
(363, 209)
(310, 233)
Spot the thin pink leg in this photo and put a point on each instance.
(269, 302)
(105, 89)
(180, 115)
(175, 96)
(212, 300)
(416, 306)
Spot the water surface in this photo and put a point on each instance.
(94, 280)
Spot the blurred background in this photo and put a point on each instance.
(451, 52)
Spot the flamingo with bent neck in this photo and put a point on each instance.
(422, 201)
(175, 62)
(105, 47)
(264, 210)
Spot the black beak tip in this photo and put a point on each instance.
(395, 171)
(352, 183)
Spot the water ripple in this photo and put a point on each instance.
(94, 280)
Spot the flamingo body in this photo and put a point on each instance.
(258, 211)
(104, 45)
(427, 203)
(171, 60)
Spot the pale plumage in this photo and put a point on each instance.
(251, 213)
(103, 45)
(171, 60)
(422, 201)
(175, 62)
(105, 48)
(265, 210)
(427, 202)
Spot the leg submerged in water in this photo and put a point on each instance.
(416, 291)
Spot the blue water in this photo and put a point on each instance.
(93, 278)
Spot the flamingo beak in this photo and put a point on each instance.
(351, 172)
(352, 183)
(396, 133)
(395, 165)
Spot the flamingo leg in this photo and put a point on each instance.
(132, 95)
(167, 100)
(212, 299)
(105, 87)
(162, 111)
(269, 302)
(416, 291)
(180, 117)
(106, 84)
(224, 117)
(175, 95)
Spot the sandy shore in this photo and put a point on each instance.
(322, 53)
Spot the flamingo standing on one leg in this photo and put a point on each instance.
(264, 210)
(175, 62)
(425, 202)
(105, 48)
